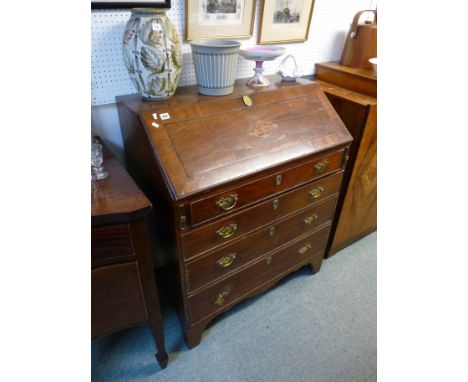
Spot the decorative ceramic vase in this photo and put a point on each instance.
(152, 53)
(215, 63)
(259, 54)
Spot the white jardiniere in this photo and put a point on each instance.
(152, 53)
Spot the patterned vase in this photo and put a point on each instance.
(152, 53)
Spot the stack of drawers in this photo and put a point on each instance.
(260, 230)
(250, 191)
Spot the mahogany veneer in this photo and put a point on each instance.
(249, 193)
(353, 93)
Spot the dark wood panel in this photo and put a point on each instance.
(230, 290)
(117, 299)
(359, 212)
(224, 261)
(111, 244)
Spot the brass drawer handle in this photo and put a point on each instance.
(219, 300)
(228, 202)
(271, 231)
(226, 261)
(315, 193)
(269, 260)
(320, 167)
(275, 204)
(227, 231)
(304, 249)
(310, 219)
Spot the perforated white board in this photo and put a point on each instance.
(330, 23)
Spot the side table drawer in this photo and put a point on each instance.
(111, 244)
(231, 290)
(202, 239)
(117, 299)
(231, 200)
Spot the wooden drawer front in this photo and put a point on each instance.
(249, 193)
(205, 238)
(234, 288)
(110, 244)
(117, 298)
(218, 264)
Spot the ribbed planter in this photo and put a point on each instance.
(152, 53)
(215, 63)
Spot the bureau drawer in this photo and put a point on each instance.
(205, 238)
(232, 289)
(220, 263)
(231, 200)
(111, 244)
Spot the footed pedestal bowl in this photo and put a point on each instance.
(259, 54)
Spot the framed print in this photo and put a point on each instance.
(124, 4)
(285, 21)
(213, 19)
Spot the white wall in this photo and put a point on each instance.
(330, 23)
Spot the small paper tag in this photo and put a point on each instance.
(156, 27)
(154, 124)
(155, 115)
(164, 116)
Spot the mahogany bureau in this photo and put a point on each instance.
(123, 289)
(250, 183)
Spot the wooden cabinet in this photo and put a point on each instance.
(123, 289)
(249, 191)
(353, 94)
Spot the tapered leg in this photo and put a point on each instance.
(158, 335)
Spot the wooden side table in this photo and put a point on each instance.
(123, 287)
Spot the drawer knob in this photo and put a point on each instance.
(320, 167)
(278, 179)
(227, 231)
(310, 219)
(271, 231)
(226, 261)
(304, 249)
(269, 260)
(316, 192)
(228, 202)
(219, 300)
(275, 204)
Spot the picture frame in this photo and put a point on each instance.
(283, 21)
(219, 19)
(127, 4)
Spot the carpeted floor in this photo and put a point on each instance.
(319, 328)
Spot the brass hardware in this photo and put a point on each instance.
(315, 193)
(320, 167)
(247, 100)
(226, 261)
(346, 158)
(219, 300)
(271, 231)
(228, 202)
(304, 249)
(269, 260)
(183, 221)
(278, 179)
(275, 204)
(227, 231)
(310, 219)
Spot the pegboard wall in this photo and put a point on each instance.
(330, 22)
